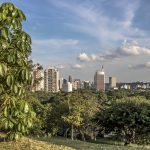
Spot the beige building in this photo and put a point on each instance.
(37, 80)
(76, 84)
(112, 82)
(51, 80)
(99, 80)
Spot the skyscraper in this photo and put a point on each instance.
(51, 80)
(99, 80)
(112, 82)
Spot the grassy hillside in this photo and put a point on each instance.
(31, 144)
(58, 143)
(99, 145)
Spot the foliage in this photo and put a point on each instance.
(130, 117)
(15, 113)
(147, 94)
(117, 94)
(42, 111)
(102, 98)
(82, 108)
(54, 120)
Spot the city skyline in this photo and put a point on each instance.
(79, 37)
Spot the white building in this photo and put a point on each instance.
(67, 87)
(51, 80)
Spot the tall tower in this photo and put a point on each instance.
(99, 79)
(51, 80)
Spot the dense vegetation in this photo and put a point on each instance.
(84, 114)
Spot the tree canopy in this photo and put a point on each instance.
(16, 114)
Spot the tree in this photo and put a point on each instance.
(117, 94)
(16, 115)
(82, 107)
(129, 117)
(102, 98)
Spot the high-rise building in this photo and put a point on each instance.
(51, 80)
(70, 79)
(37, 79)
(99, 80)
(76, 84)
(112, 82)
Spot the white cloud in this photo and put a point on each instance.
(84, 57)
(127, 48)
(77, 66)
(140, 66)
(132, 49)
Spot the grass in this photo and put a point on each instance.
(100, 144)
(31, 144)
(60, 143)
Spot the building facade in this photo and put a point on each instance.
(99, 79)
(51, 80)
(76, 84)
(67, 87)
(37, 79)
(112, 82)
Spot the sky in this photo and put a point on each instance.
(79, 36)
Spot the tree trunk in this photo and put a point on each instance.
(72, 130)
(82, 135)
(66, 133)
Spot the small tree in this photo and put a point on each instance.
(16, 114)
(82, 109)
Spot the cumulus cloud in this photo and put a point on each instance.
(132, 49)
(86, 57)
(140, 66)
(77, 66)
(127, 48)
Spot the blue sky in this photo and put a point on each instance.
(78, 36)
